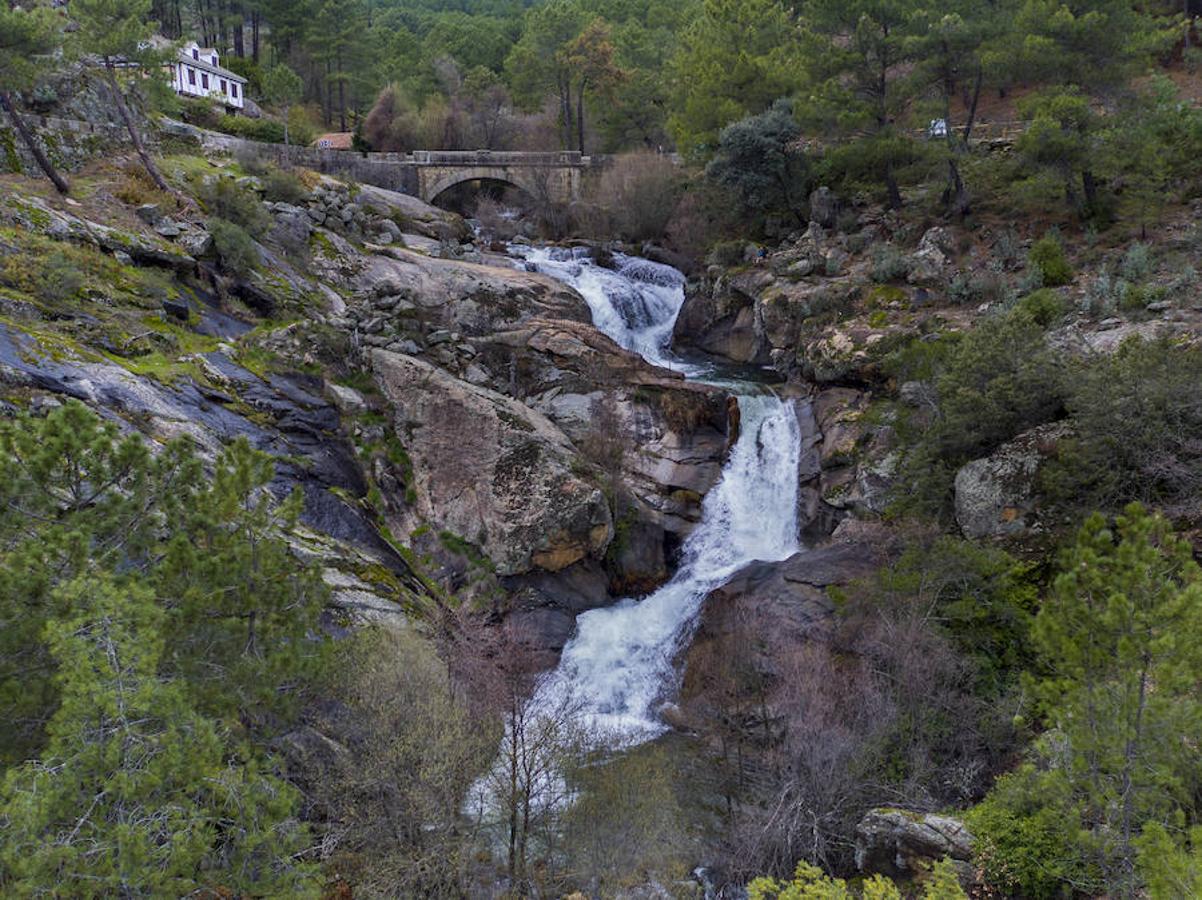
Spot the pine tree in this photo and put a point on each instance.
(862, 55)
(118, 31)
(282, 87)
(136, 794)
(1118, 638)
(736, 59)
(74, 494)
(26, 38)
(244, 611)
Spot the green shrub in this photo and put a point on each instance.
(281, 186)
(999, 381)
(267, 131)
(922, 358)
(60, 278)
(1137, 263)
(234, 247)
(201, 113)
(1044, 307)
(727, 253)
(1048, 259)
(1026, 842)
(888, 264)
(1100, 297)
(225, 199)
(1132, 297)
(1137, 429)
(982, 598)
(978, 287)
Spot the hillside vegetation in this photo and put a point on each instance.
(305, 482)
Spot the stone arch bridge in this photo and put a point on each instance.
(555, 176)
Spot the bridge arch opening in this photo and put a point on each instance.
(499, 207)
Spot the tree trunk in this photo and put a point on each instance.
(128, 119)
(254, 36)
(60, 183)
(956, 195)
(286, 124)
(1127, 787)
(894, 192)
(580, 114)
(1089, 184)
(565, 111)
(972, 108)
(329, 105)
(239, 37)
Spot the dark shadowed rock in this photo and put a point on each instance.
(764, 613)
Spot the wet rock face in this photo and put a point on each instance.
(657, 440)
(493, 471)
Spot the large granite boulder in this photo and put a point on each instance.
(492, 471)
(900, 843)
(719, 317)
(996, 496)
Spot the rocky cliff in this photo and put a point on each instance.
(460, 431)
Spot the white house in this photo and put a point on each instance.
(197, 73)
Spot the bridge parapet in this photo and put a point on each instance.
(499, 158)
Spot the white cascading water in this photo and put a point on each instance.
(618, 667)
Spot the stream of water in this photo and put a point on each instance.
(618, 668)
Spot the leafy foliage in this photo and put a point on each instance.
(135, 793)
(1137, 426)
(757, 158)
(1118, 694)
(810, 883)
(1048, 260)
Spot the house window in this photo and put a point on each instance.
(214, 60)
(192, 77)
(204, 80)
(234, 90)
(195, 54)
(224, 87)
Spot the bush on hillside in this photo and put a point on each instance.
(888, 264)
(283, 186)
(1137, 424)
(235, 248)
(998, 381)
(1026, 842)
(1047, 257)
(225, 199)
(1044, 307)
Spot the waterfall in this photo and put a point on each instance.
(619, 665)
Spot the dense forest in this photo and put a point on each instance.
(306, 485)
